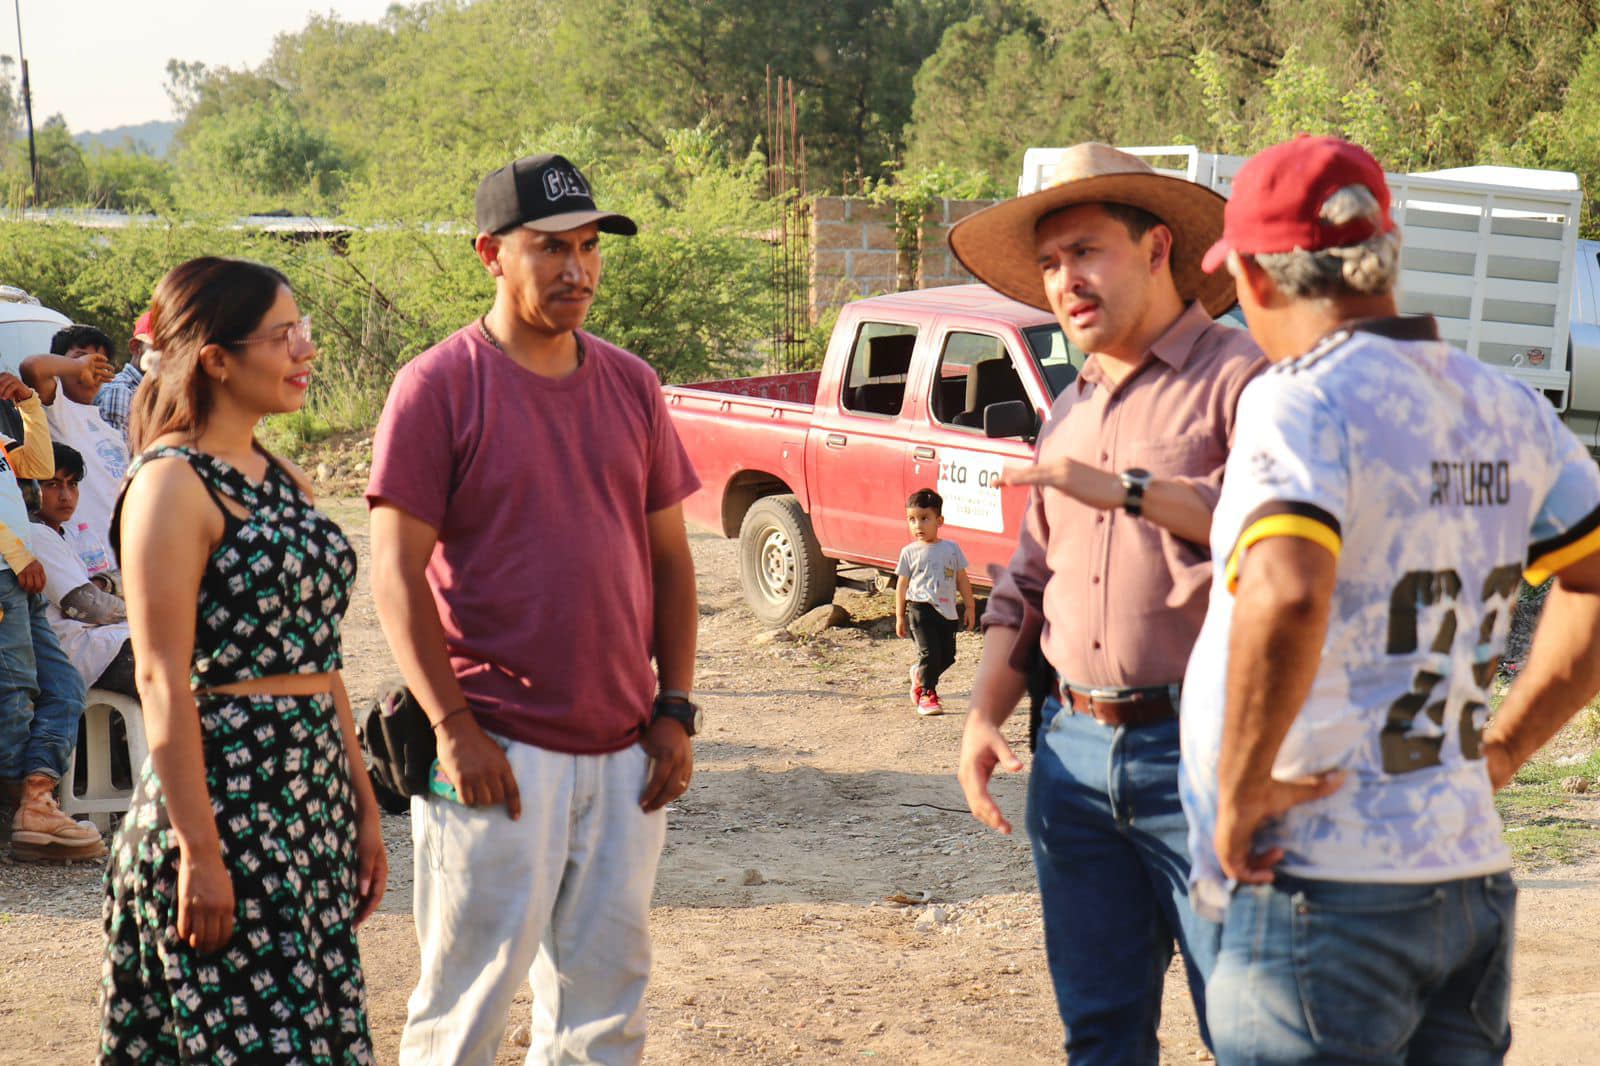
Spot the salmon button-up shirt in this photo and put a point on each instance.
(1120, 600)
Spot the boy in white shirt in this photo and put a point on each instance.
(932, 572)
(80, 357)
(80, 582)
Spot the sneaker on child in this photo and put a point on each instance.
(929, 705)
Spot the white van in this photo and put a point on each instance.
(26, 327)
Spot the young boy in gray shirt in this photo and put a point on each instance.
(932, 574)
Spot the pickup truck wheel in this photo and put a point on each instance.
(781, 565)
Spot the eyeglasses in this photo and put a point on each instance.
(292, 333)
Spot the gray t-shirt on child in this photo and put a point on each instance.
(932, 569)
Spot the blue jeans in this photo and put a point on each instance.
(41, 692)
(1110, 847)
(1340, 972)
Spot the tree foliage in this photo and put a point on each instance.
(664, 104)
(256, 158)
(1423, 83)
(394, 119)
(667, 64)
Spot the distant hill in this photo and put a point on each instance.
(152, 137)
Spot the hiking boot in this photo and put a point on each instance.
(929, 704)
(916, 687)
(42, 832)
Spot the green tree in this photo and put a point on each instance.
(985, 96)
(668, 64)
(258, 158)
(1568, 138)
(63, 171)
(128, 180)
(10, 100)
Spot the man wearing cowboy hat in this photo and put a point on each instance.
(1385, 496)
(1111, 574)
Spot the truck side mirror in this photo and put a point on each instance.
(1013, 418)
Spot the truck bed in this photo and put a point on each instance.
(745, 430)
(800, 388)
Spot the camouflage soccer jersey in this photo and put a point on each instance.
(1438, 482)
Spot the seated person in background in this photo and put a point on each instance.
(79, 581)
(41, 695)
(116, 396)
(80, 360)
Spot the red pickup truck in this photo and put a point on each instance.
(932, 389)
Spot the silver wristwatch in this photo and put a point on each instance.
(1134, 482)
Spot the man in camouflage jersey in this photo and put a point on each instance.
(1384, 499)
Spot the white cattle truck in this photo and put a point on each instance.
(1491, 252)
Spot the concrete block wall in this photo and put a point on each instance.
(936, 266)
(855, 251)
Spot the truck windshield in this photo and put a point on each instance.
(1058, 358)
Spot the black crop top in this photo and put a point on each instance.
(278, 583)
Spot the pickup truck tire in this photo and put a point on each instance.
(781, 566)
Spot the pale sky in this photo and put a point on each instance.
(102, 63)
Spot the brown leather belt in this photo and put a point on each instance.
(1129, 707)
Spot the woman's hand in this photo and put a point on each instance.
(372, 865)
(205, 901)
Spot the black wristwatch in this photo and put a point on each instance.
(1134, 482)
(677, 706)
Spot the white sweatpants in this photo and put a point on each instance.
(562, 894)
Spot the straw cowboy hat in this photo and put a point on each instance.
(996, 244)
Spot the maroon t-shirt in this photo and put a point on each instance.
(539, 489)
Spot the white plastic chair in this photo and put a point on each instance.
(100, 798)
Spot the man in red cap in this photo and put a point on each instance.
(1385, 496)
(116, 396)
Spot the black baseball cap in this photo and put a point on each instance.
(546, 193)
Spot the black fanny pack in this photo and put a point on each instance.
(398, 739)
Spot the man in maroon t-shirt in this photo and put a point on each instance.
(529, 559)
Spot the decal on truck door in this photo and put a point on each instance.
(969, 483)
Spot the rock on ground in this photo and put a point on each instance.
(814, 621)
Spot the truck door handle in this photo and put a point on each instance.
(922, 453)
(836, 440)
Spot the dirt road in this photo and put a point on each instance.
(817, 795)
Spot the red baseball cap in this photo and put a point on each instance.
(141, 328)
(1278, 195)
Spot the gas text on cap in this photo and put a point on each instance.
(559, 183)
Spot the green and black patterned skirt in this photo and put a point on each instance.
(287, 987)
